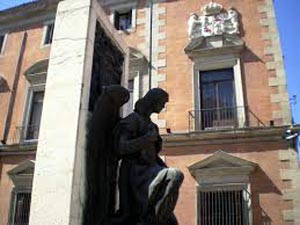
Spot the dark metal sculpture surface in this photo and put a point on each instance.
(148, 189)
(107, 65)
(101, 163)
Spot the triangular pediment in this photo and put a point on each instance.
(26, 167)
(221, 159)
(22, 174)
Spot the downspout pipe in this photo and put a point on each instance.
(13, 91)
(150, 43)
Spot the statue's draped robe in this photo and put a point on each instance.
(140, 164)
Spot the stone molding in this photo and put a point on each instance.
(214, 46)
(37, 73)
(268, 21)
(248, 135)
(22, 175)
(222, 171)
(27, 14)
(214, 168)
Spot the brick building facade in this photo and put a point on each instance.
(223, 125)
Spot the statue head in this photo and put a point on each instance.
(153, 102)
(118, 94)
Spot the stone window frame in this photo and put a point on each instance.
(244, 187)
(3, 47)
(217, 63)
(124, 7)
(22, 184)
(28, 109)
(231, 174)
(14, 194)
(45, 29)
(36, 77)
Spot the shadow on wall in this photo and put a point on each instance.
(261, 184)
(266, 220)
(249, 56)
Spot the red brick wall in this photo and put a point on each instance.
(33, 53)
(266, 184)
(179, 70)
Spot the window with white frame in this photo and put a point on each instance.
(36, 76)
(223, 206)
(2, 43)
(123, 16)
(48, 33)
(31, 131)
(123, 20)
(20, 207)
(217, 93)
(217, 55)
(223, 190)
(219, 98)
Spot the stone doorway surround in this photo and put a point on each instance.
(58, 186)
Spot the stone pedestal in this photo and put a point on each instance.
(58, 186)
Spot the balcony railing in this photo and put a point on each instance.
(26, 133)
(223, 119)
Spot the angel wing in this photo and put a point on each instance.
(101, 163)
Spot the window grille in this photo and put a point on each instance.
(224, 207)
(21, 208)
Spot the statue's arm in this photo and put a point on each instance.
(127, 146)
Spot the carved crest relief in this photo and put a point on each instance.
(214, 22)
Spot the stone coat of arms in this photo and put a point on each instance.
(213, 22)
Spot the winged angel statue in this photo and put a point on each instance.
(127, 182)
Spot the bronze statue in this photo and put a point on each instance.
(148, 189)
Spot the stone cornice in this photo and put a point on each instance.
(27, 14)
(18, 149)
(248, 135)
(214, 46)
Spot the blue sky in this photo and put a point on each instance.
(289, 31)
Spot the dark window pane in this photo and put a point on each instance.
(49, 34)
(123, 20)
(35, 115)
(218, 108)
(22, 208)
(216, 75)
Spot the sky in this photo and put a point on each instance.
(289, 31)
